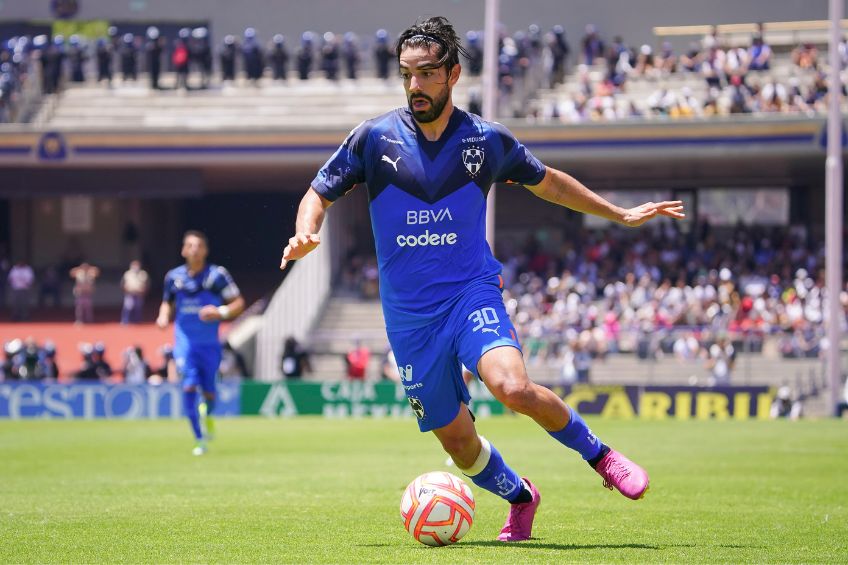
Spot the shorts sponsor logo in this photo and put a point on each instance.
(405, 372)
(417, 407)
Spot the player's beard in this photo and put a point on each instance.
(437, 106)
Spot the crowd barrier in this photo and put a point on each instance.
(283, 399)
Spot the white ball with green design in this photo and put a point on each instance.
(437, 508)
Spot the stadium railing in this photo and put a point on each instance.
(298, 303)
(776, 34)
(295, 306)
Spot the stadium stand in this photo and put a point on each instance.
(735, 69)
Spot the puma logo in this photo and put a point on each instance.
(494, 331)
(390, 162)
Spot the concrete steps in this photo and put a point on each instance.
(345, 320)
(312, 104)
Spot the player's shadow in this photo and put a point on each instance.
(559, 546)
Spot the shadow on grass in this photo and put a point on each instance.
(561, 546)
(534, 545)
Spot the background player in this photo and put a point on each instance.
(428, 168)
(201, 296)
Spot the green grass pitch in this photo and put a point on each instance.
(327, 491)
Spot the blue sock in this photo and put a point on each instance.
(190, 408)
(577, 435)
(491, 473)
(210, 404)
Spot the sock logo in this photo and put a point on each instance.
(504, 485)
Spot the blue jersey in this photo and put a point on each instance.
(213, 285)
(428, 205)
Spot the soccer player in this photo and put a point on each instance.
(428, 168)
(200, 296)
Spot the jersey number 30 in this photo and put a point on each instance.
(483, 317)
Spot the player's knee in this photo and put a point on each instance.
(458, 446)
(515, 394)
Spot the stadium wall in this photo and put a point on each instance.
(632, 20)
(726, 138)
(163, 180)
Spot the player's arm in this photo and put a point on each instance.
(166, 310)
(310, 217)
(564, 190)
(227, 311)
(232, 302)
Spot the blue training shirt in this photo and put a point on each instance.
(428, 205)
(213, 285)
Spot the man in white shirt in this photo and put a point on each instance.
(721, 359)
(134, 283)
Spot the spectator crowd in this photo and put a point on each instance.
(734, 79)
(711, 78)
(660, 292)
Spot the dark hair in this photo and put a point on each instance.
(436, 31)
(198, 234)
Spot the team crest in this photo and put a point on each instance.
(417, 407)
(473, 158)
(52, 147)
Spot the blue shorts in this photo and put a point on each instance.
(198, 366)
(430, 358)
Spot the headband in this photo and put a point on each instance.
(426, 37)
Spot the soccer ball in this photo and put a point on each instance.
(437, 508)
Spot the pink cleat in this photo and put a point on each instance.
(519, 523)
(618, 471)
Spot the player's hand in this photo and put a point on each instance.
(209, 313)
(637, 216)
(299, 247)
(162, 322)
